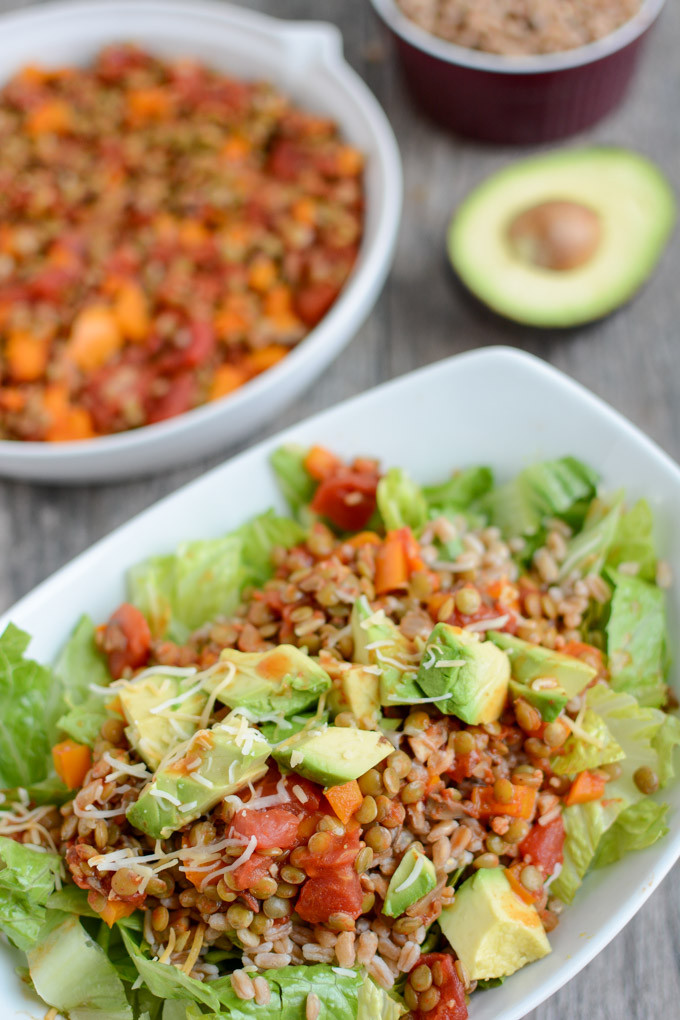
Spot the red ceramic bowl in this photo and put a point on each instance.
(518, 100)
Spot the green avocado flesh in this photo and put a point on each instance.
(636, 209)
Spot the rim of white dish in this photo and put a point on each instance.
(361, 279)
(540, 63)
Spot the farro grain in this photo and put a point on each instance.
(345, 949)
(262, 991)
(242, 985)
(272, 961)
(312, 1006)
(317, 954)
(380, 972)
(408, 957)
(366, 947)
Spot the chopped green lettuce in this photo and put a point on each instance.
(80, 665)
(71, 900)
(73, 974)
(166, 981)
(634, 541)
(635, 730)
(639, 826)
(664, 743)
(27, 878)
(580, 754)
(587, 551)
(29, 704)
(542, 490)
(636, 638)
(203, 580)
(460, 491)
(295, 482)
(401, 501)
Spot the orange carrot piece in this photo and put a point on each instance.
(75, 423)
(95, 337)
(131, 311)
(350, 161)
(52, 117)
(304, 211)
(191, 233)
(26, 355)
(71, 762)
(148, 104)
(236, 148)
(266, 357)
(12, 399)
(320, 463)
(521, 806)
(391, 565)
(414, 560)
(345, 799)
(586, 787)
(364, 538)
(262, 274)
(115, 910)
(227, 378)
(518, 888)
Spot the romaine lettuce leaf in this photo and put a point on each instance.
(580, 754)
(72, 973)
(29, 704)
(635, 729)
(640, 825)
(203, 579)
(587, 551)
(71, 900)
(460, 491)
(542, 490)
(27, 879)
(166, 981)
(80, 665)
(636, 636)
(634, 542)
(296, 484)
(665, 743)
(401, 501)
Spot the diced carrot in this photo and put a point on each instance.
(435, 603)
(234, 318)
(350, 161)
(345, 799)
(414, 560)
(75, 423)
(12, 399)
(54, 117)
(364, 538)
(95, 337)
(131, 311)
(191, 233)
(227, 378)
(26, 355)
(304, 211)
(391, 565)
(495, 589)
(278, 307)
(148, 104)
(262, 274)
(33, 74)
(320, 463)
(586, 787)
(71, 762)
(521, 806)
(115, 910)
(266, 357)
(518, 888)
(236, 148)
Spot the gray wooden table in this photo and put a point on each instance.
(631, 360)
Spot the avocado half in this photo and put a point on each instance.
(635, 210)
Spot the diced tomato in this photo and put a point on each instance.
(181, 396)
(313, 301)
(342, 851)
(464, 766)
(348, 499)
(199, 350)
(335, 890)
(118, 393)
(451, 1005)
(544, 845)
(286, 160)
(275, 826)
(252, 871)
(126, 640)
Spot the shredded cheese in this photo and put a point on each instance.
(296, 758)
(413, 877)
(245, 856)
(300, 794)
(210, 703)
(375, 618)
(177, 700)
(163, 795)
(494, 624)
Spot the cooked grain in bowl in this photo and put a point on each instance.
(520, 27)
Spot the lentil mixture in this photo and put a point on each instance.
(520, 27)
(280, 875)
(167, 233)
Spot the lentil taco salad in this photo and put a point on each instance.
(351, 762)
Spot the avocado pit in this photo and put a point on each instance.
(556, 235)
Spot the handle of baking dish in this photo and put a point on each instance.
(313, 42)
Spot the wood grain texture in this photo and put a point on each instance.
(630, 359)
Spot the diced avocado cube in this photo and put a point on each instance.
(548, 700)
(332, 755)
(378, 642)
(529, 662)
(198, 774)
(358, 692)
(281, 681)
(474, 673)
(283, 729)
(414, 878)
(159, 714)
(492, 931)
